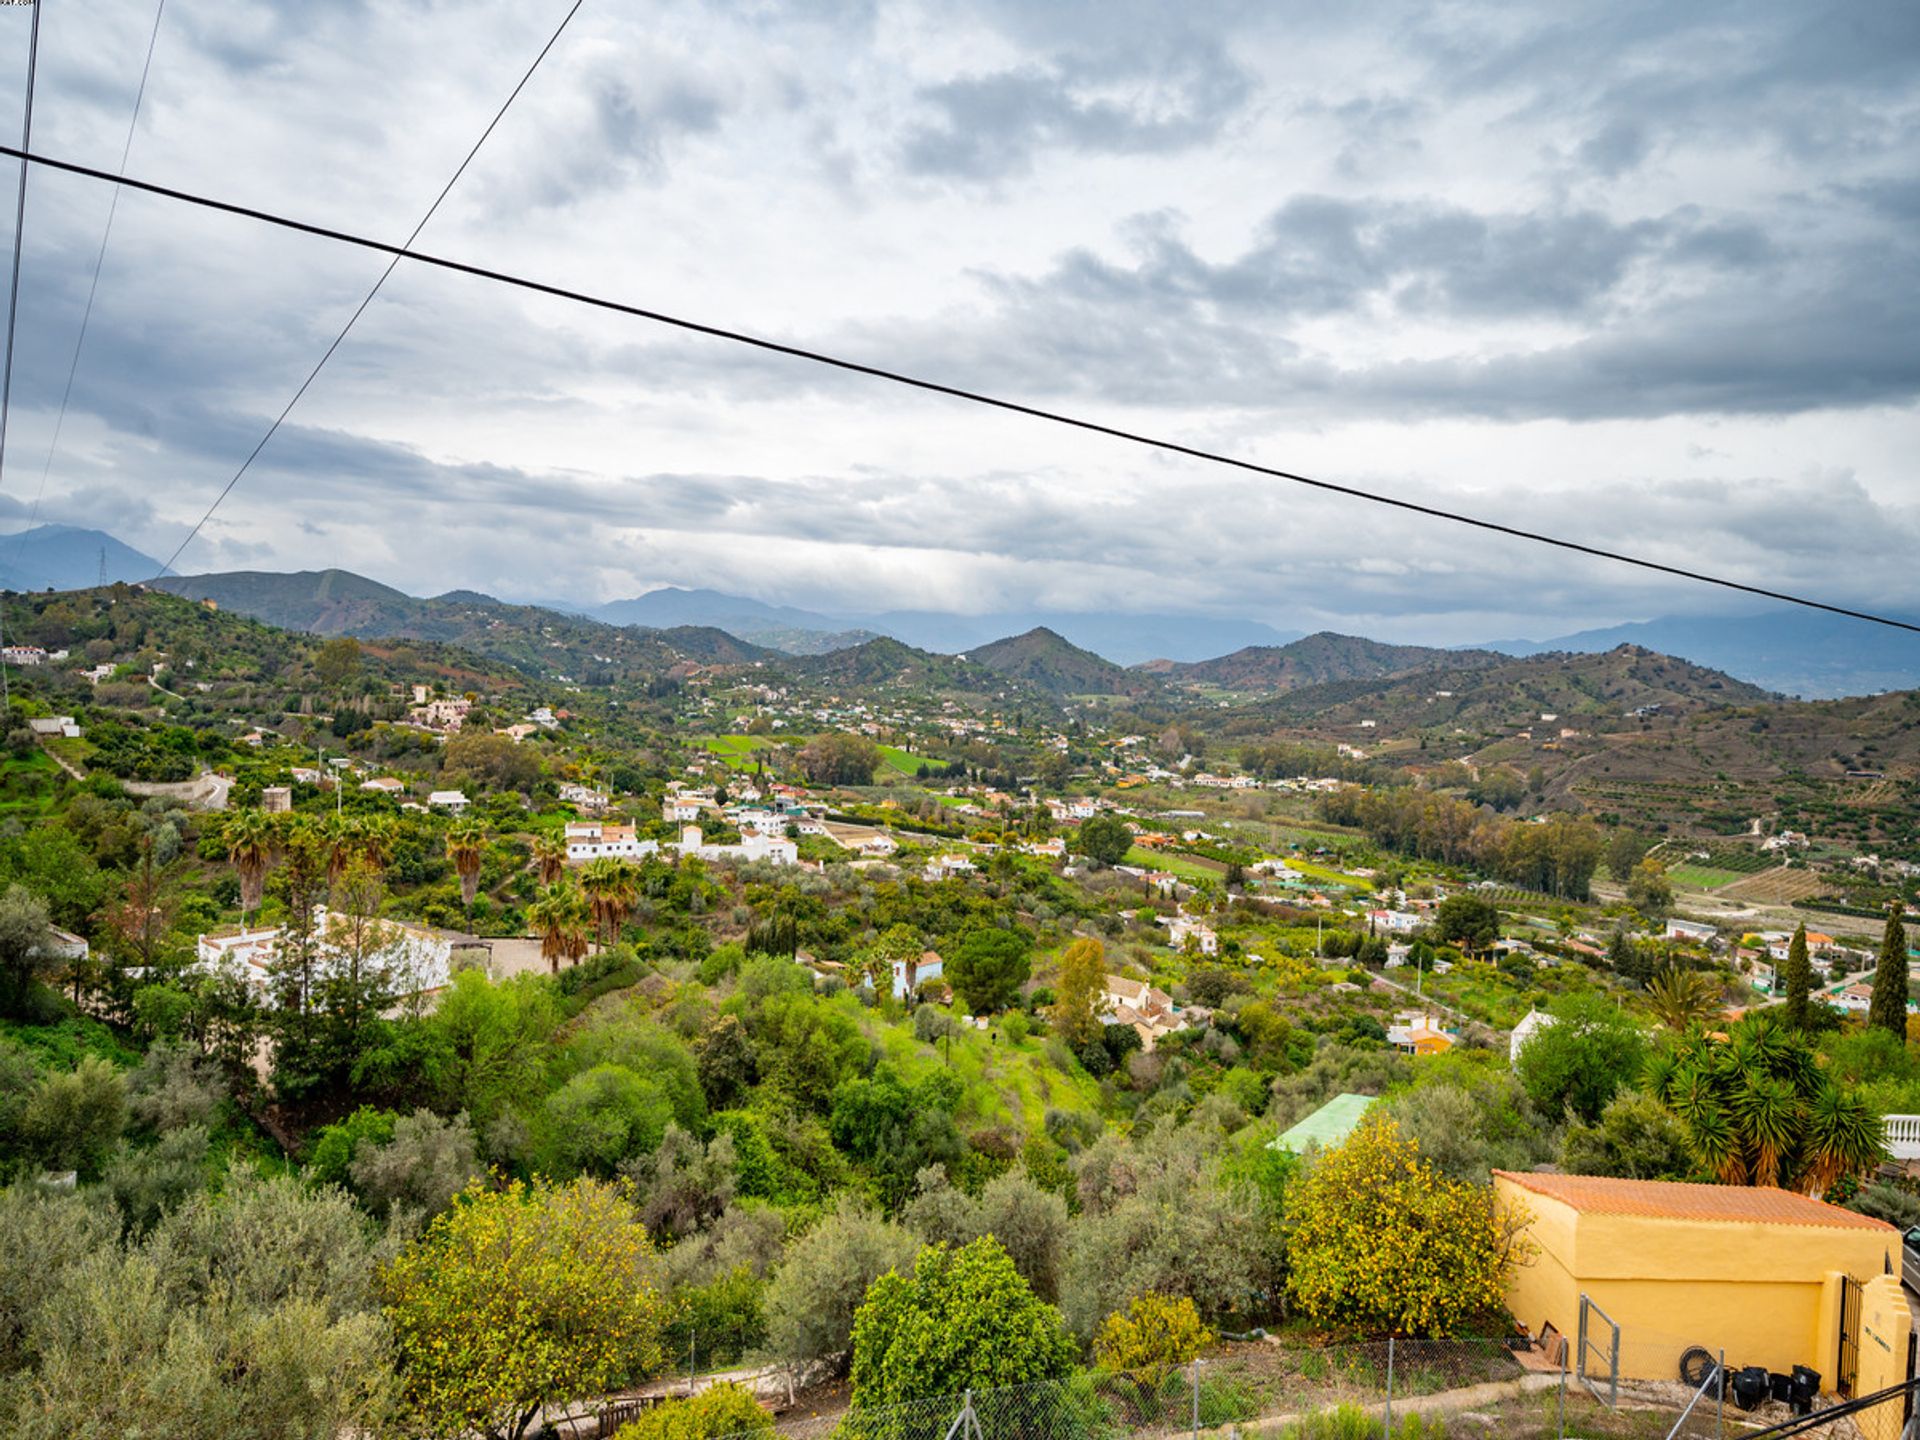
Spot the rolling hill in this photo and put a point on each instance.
(1577, 691)
(1052, 663)
(887, 662)
(535, 641)
(1321, 659)
(65, 557)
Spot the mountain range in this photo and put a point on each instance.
(1785, 649)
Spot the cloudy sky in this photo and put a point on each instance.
(1644, 275)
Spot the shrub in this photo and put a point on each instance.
(723, 1409)
(1382, 1240)
(1153, 1335)
(963, 1320)
(823, 1280)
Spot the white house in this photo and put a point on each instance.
(56, 725)
(909, 975)
(948, 867)
(1181, 928)
(384, 785)
(449, 800)
(1690, 930)
(1531, 1024)
(584, 797)
(594, 839)
(878, 845)
(414, 960)
(1397, 922)
(754, 845)
(23, 655)
(683, 809)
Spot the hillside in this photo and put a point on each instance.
(1321, 659)
(777, 627)
(1484, 700)
(1789, 649)
(1052, 663)
(538, 642)
(889, 663)
(65, 557)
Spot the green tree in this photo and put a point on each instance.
(1649, 890)
(1798, 974)
(1888, 1008)
(839, 760)
(338, 661)
(1467, 921)
(1083, 979)
(963, 1320)
(519, 1298)
(988, 967)
(1103, 839)
(823, 1279)
(1580, 1062)
(26, 952)
(1635, 1138)
(1380, 1239)
(74, 1119)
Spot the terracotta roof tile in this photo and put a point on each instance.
(1668, 1200)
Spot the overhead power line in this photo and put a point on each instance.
(93, 286)
(19, 234)
(398, 253)
(13, 300)
(758, 342)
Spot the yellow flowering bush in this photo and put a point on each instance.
(1152, 1336)
(723, 1409)
(1380, 1240)
(522, 1296)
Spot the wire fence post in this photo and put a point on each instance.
(1720, 1395)
(1196, 1395)
(1613, 1379)
(1387, 1429)
(1561, 1422)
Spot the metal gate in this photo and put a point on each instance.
(1598, 1365)
(1847, 1363)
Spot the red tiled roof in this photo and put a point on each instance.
(1670, 1200)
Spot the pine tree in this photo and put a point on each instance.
(1889, 1008)
(1799, 977)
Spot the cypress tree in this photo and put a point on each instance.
(1799, 977)
(1889, 1008)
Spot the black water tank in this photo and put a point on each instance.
(1750, 1387)
(1806, 1389)
(1779, 1386)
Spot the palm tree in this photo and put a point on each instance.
(466, 841)
(560, 917)
(1844, 1137)
(378, 835)
(1758, 1110)
(340, 836)
(611, 886)
(550, 855)
(249, 836)
(1682, 999)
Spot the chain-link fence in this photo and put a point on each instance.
(1398, 1389)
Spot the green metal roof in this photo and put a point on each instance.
(1327, 1126)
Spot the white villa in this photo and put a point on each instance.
(417, 960)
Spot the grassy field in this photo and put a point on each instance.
(1701, 877)
(736, 750)
(1185, 866)
(904, 762)
(1005, 1083)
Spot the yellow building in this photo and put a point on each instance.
(1754, 1272)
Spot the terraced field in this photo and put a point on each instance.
(1779, 886)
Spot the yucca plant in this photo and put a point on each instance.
(1682, 999)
